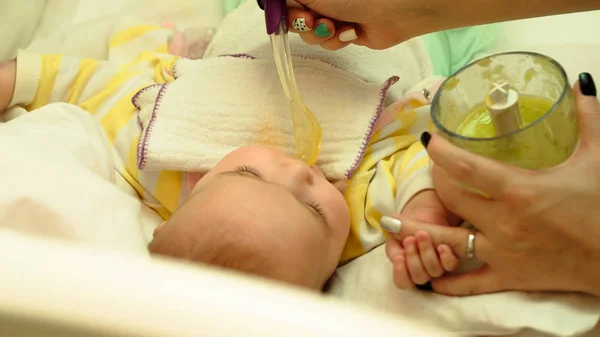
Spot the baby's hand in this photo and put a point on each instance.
(416, 260)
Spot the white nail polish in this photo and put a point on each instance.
(300, 25)
(348, 35)
(391, 225)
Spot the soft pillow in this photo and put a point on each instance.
(19, 21)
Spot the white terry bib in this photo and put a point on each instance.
(220, 104)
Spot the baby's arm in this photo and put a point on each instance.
(42, 79)
(415, 259)
(415, 196)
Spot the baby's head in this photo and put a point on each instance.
(262, 212)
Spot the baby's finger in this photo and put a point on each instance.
(448, 259)
(401, 277)
(393, 249)
(300, 21)
(413, 261)
(344, 37)
(429, 257)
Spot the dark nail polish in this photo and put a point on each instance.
(586, 84)
(260, 4)
(425, 287)
(425, 138)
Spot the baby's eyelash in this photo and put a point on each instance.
(317, 208)
(249, 169)
(252, 170)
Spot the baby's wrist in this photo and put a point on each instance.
(421, 199)
(8, 76)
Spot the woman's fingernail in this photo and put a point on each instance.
(300, 25)
(425, 138)
(321, 31)
(348, 35)
(586, 84)
(391, 225)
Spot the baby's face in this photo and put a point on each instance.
(285, 208)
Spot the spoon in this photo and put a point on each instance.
(307, 132)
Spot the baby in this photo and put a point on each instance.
(263, 212)
(258, 210)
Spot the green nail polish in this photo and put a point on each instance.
(321, 31)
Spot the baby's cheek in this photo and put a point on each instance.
(342, 221)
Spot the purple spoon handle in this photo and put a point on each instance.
(275, 12)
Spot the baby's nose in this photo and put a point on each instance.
(299, 172)
(318, 171)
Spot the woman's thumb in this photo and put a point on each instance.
(589, 108)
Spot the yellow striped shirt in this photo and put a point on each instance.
(395, 168)
(137, 58)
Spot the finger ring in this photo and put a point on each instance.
(471, 246)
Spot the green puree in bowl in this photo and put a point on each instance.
(478, 124)
(539, 138)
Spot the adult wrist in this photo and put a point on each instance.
(591, 277)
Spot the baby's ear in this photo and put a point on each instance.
(158, 228)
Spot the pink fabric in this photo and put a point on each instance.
(389, 114)
(177, 41)
(190, 43)
(192, 179)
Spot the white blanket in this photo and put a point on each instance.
(58, 181)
